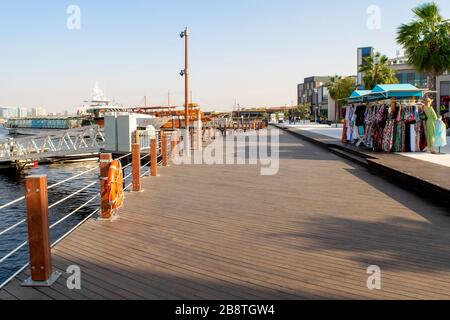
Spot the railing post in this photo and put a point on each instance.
(105, 162)
(191, 134)
(179, 143)
(136, 167)
(39, 233)
(165, 158)
(173, 144)
(154, 156)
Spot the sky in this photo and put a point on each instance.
(255, 51)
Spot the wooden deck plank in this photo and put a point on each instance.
(225, 232)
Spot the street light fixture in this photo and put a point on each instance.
(185, 73)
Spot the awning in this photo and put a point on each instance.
(359, 96)
(388, 91)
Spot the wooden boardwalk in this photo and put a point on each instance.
(225, 232)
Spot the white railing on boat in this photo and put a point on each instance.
(61, 143)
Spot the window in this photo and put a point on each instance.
(411, 78)
(445, 88)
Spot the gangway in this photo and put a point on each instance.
(60, 144)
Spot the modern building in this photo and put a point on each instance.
(443, 93)
(406, 74)
(38, 112)
(308, 93)
(362, 55)
(22, 112)
(9, 112)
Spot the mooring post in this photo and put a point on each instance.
(136, 167)
(105, 162)
(39, 233)
(165, 158)
(154, 156)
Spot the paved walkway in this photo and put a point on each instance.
(225, 232)
(442, 159)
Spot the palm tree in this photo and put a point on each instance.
(427, 42)
(376, 70)
(339, 89)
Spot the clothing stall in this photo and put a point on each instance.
(390, 118)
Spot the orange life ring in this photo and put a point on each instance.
(115, 185)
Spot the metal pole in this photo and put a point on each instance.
(186, 93)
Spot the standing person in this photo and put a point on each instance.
(431, 125)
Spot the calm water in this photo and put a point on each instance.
(12, 187)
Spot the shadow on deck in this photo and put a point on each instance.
(225, 232)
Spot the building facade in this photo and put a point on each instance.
(308, 93)
(443, 94)
(362, 55)
(38, 112)
(406, 74)
(11, 112)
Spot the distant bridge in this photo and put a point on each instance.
(63, 143)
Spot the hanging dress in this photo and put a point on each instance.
(441, 134)
(431, 127)
(344, 128)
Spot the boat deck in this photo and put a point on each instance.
(226, 232)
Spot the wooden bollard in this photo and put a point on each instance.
(105, 162)
(39, 233)
(136, 164)
(154, 157)
(165, 157)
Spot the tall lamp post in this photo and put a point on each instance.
(185, 73)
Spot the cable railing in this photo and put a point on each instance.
(22, 245)
(19, 271)
(53, 186)
(161, 159)
(49, 188)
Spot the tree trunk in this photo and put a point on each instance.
(432, 77)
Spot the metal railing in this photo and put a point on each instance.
(55, 204)
(85, 140)
(97, 195)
